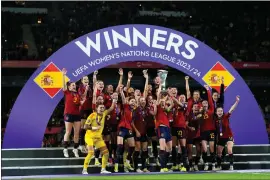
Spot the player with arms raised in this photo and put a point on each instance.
(225, 135)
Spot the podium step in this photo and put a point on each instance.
(58, 152)
(77, 169)
(23, 162)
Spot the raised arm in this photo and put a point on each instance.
(210, 99)
(95, 79)
(235, 104)
(120, 82)
(94, 94)
(122, 95)
(145, 74)
(159, 94)
(64, 71)
(112, 106)
(221, 98)
(187, 87)
(130, 75)
(154, 112)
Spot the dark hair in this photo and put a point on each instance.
(69, 83)
(99, 104)
(219, 107)
(131, 97)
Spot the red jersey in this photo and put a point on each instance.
(99, 93)
(179, 118)
(150, 118)
(72, 103)
(115, 114)
(225, 128)
(191, 102)
(162, 117)
(126, 117)
(107, 100)
(208, 122)
(193, 121)
(140, 119)
(87, 105)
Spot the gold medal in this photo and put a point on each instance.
(221, 134)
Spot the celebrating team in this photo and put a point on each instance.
(123, 127)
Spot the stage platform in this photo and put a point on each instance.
(50, 161)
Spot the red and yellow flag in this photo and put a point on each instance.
(213, 77)
(50, 80)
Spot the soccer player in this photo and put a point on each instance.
(125, 132)
(196, 99)
(161, 108)
(208, 130)
(139, 126)
(225, 135)
(85, 109)
(219, 102)
(151, 132)
(93, 138)
(193, 136)
(72, 114)
(179, 133)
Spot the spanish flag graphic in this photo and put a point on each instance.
(213, 77)
(51, 80)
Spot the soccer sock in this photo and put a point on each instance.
(204, 157)
(114, 147)
(223, 153)
(155, 149)
(136, 159)
(197, 160)
(76, 145)
(213, 158)
(87, 159)
(219, 161)
(97, 153)
(167, 156)
(174, 159)
(65, 144)
(179, 158)
(162, 158)
(184, 154)
(109, 148)
(82, 134)
(105, 157)
(143, 158)
(119, 153)
(231, 159)
(130, 153)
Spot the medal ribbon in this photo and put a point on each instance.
(220, 126)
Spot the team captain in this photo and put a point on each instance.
(93, 137)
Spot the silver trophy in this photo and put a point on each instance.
(162, 74)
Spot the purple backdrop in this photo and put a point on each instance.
(33, 107)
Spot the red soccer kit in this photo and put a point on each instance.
(208, 122)
(193, 122)
(162, 117)
(107, 100)
(72, 103)
(150, 118)
(87, 105)
(115, 115)
(225, 128)
(179, 118)
(126, 117)
(140, 120)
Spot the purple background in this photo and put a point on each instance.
(33, 108)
